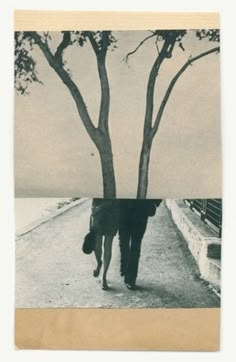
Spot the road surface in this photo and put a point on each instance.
(52, 271)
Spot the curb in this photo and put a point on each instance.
(28, 228)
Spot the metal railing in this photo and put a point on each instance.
(209, 210)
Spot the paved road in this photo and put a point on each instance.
(52, 271)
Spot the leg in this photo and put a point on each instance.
(98, 255)
(135, 249)
(107, 252)
(124, 237)
(132, 268)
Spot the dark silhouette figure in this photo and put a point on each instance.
(133, 219)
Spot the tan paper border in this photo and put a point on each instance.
(118, 329)
(28, 20)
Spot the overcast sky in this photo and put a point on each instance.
(55, 157)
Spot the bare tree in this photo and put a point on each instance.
(26, 72)
(101, 41)
(165, 42)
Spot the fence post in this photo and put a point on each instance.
(203, 209)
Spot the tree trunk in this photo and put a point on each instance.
(99, 135)
(151, 130)
(108, 173)
(143, 170)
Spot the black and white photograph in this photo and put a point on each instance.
(118, 114)
(117, 181)
(117, 191)
(118, 253)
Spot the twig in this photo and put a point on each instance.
(139, 45)
(156, 42)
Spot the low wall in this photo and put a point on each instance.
(198, 236)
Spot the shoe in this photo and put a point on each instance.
(122, 270)
(130, 286)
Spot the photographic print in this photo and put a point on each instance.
(117, 113)
(117, 180)
(142, 254)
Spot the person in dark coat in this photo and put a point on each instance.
(104, 222)
(133, 219)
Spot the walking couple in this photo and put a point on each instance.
(129, 218)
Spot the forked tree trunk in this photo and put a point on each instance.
(150, 128)
(143, 171)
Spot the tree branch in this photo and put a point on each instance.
(103, 78)
(105, 95)
(93, 42)
(151, 86)
(73, 89)
(66, 41)
(172, 84)
(139, 45)
(104, 42)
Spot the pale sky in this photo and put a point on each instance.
(54, 156)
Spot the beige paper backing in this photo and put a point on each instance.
(116, 329)
(61, 20)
